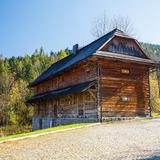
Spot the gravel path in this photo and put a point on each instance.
(117, 141)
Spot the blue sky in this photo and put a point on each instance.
(57, 24)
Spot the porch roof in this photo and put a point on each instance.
(62, 91)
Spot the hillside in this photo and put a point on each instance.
(153, 50)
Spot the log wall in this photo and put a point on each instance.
(74, 105)
(80, 73)
(116, 81)
(74, 108)
(120, 80)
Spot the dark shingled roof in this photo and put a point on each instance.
(62, 91)
(81, 54)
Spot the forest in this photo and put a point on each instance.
(15, 75)
(17, 72)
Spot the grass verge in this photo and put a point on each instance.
(44, 130)
(156, 114)
(8, 130)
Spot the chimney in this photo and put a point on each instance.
(75, 49)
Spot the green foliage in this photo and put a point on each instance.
(153, 50)
(154, 90)
(15, 75)
(19, 113)
(61, 54)
(14, 129)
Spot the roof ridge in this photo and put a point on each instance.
(83, 53)
(114, 30)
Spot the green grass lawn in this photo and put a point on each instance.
(156, 114)
(44, 130)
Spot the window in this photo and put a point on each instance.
(125, 71)
(125, 98)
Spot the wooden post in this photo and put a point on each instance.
(98, 93)
(149, 107)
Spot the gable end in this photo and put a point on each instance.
(124, 46)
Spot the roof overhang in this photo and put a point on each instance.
(62, 91)
(121, 57)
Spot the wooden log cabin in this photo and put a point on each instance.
(108, 78)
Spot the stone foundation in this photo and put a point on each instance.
(41, 123)
(106, 119)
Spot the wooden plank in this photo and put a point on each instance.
(114, 84)
(82, 72)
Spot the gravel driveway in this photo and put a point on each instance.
(117, 141)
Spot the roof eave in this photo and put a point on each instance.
(78, 88)
(32, 84)
(117, 56)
